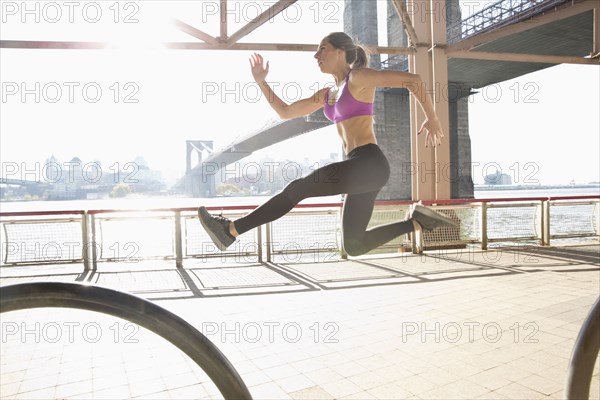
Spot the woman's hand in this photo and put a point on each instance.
(433, 132)
(258, 68)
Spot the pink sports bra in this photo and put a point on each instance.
(346, 106)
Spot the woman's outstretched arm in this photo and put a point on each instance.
(367, 77)
(296, 109)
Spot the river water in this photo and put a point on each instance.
(140, 203)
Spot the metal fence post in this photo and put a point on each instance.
(268, 241)
(418, 241)
(259, 249)
(596, 215)
(93, 240)
(85, 241)
(545, 220)
(484, 235)
(343, 254)
(178, 241)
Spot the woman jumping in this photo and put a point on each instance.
(349, 105)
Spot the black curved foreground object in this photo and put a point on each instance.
(134, 309)
(585, 351)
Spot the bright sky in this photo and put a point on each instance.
(115, 105)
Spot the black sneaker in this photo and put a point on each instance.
(217, 228)
(429, 219)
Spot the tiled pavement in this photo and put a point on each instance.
(460, 324)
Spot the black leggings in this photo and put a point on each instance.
(361, 176)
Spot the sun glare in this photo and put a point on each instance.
(147, 29)
(142, 38)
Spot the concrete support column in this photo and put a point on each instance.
(596, 30)
(439, 63)
(430, 62)
(418, 63)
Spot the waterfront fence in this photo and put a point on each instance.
(310, 232)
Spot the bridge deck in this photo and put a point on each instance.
(567, 37)
(572, 36)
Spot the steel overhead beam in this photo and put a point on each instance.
(34, 44)
(242, 46)
(403, 14)
(223, 22)
(258, 21)
(197, 33)
(596, 29)
(390, 50)
(57, 45)
(520, 57)
(67, 45)
(482, 38)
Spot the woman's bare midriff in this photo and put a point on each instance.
(356, 132)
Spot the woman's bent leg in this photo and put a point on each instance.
(357, 212)
(274, 208)
(364, 171)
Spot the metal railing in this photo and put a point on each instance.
(496, 15)
(397, 62)
(94, 236)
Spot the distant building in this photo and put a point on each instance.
(89, 181)
(498, 179)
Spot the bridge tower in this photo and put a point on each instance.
(196, 182)
(393, 112)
